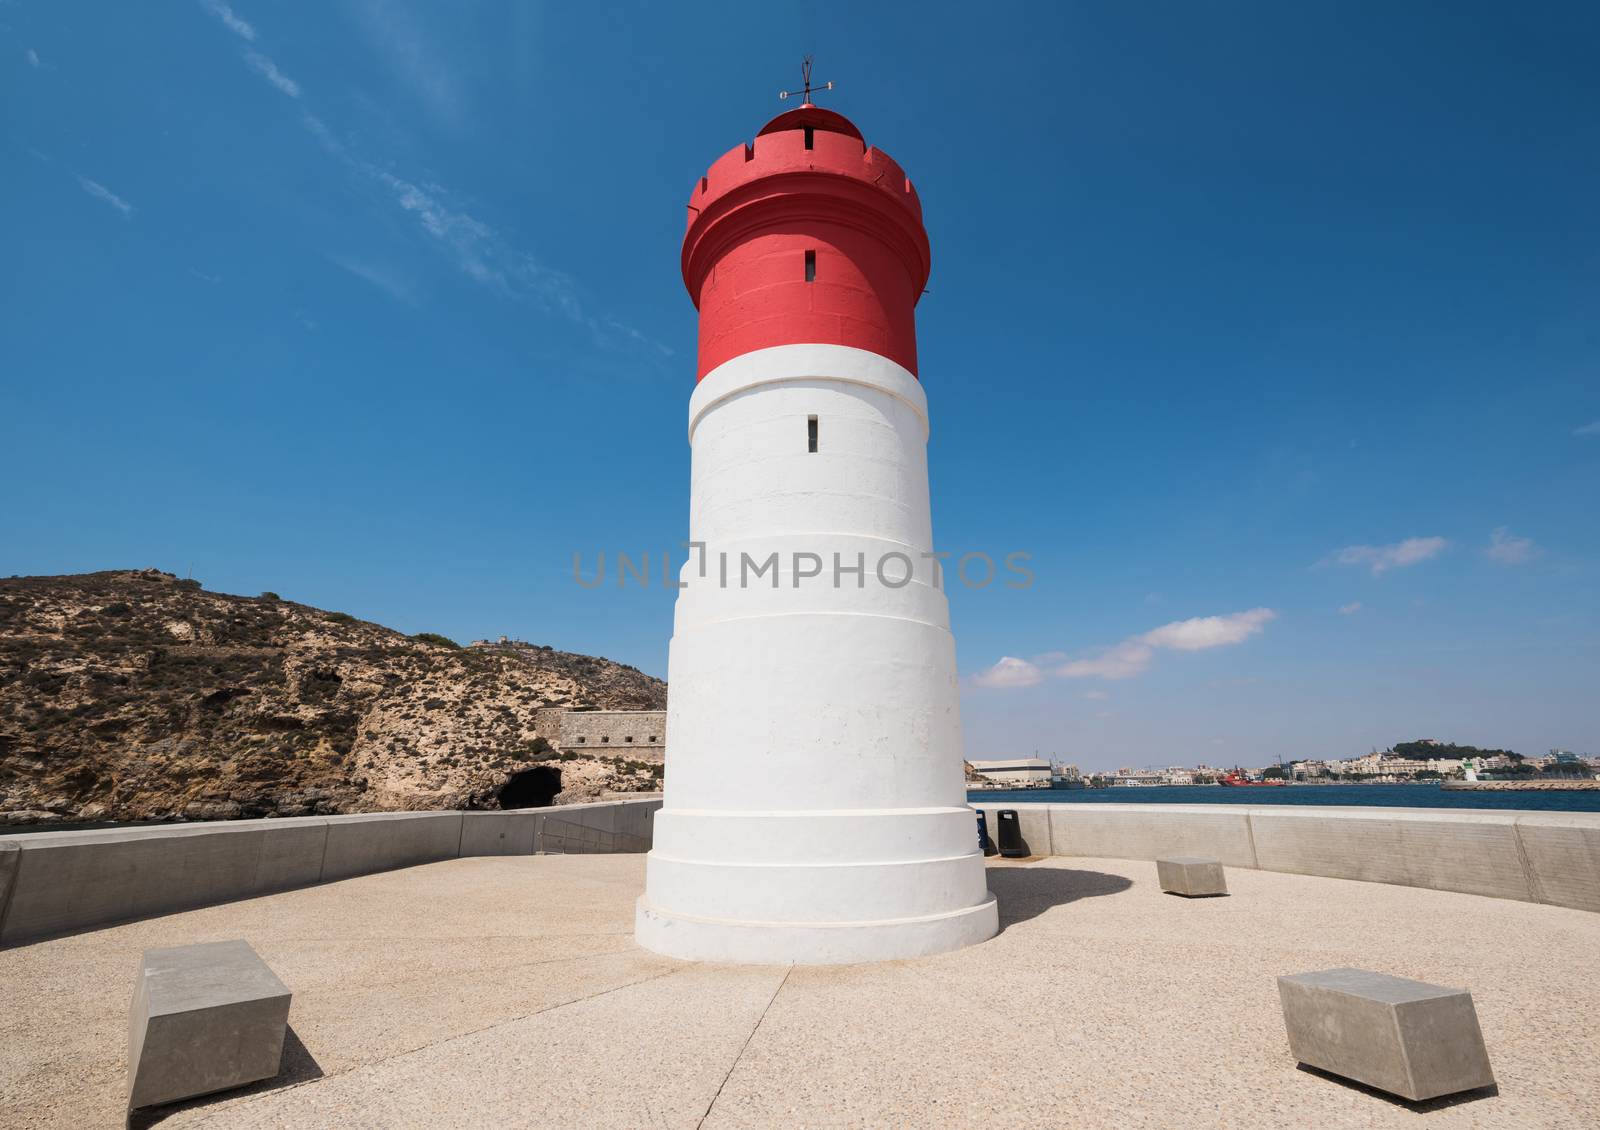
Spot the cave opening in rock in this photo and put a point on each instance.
(531, 788)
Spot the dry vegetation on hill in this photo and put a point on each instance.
(136, 695)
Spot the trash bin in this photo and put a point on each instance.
(1011, 845)
(985, 844)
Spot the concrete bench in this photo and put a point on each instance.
(1191, 876)
(1409, 1038)
(205, 1018)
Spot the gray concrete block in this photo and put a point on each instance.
(383, 841)
(1192, 876)
(1409, 1038)
(499, 833)
(1150, 831)
(205, 1018)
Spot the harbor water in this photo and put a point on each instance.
(1427, 795)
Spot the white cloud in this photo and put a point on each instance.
(231, 21)
(1592, 428)
(33, 58)
(1125, 660)
(101, 192)
(1382, 558)
(1350, 609)
(268, 70)
(1009, 672)
(1133, 655)
(1508, 549)
(1209, 631)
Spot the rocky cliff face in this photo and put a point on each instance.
(138, 696)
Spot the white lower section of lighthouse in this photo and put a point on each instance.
(815, 804)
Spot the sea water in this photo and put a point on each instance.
(1377, 796)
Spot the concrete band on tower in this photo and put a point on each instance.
(815, 804)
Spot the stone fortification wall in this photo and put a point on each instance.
(637, 734)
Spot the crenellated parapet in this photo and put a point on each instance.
(852, 278)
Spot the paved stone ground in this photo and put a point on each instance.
(509, 992)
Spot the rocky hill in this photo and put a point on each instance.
(135, 695)
(608, 685)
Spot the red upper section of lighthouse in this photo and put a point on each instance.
(808, 235)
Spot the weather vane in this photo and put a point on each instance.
(805, 76)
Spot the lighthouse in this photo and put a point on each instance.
(815, 807)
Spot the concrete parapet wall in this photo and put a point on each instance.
(383, 841)
(61, 882)
(1547, 857)
(501, 833)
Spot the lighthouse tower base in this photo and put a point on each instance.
(814, 887)
(820, 943)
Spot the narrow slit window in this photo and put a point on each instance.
(811, 266)
(811, 434)
(808, 137)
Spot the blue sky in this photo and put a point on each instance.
(1262, 316)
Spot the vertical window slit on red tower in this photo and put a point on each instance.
(808, 137)
(811, 266)
(811, 435)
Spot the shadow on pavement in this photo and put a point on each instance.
(1440, 1103)
(1027, 892)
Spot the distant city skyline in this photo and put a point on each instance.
(1267, 334)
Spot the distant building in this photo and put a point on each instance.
(1132, 777)
(1013, 771)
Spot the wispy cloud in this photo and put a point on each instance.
(268, 70)
(397, 33)
(101, 192)
(1402, 554)
(1350, 609)
(1508, 549)
(205, 278)
(1592, 428)
(1134, 655)
(390, 282)
(231, 21)
(472, 245)
(33, 58)
(1096, 696)
(246, 31)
